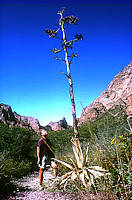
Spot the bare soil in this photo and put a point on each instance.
(28, 188)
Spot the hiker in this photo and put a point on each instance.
(44, 154)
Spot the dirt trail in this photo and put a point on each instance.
(33, 191)
(31, 182)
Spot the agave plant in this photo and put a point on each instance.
(79, 171)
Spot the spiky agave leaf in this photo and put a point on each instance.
(79, 163)
(66, 183)
(64, 163)
(80, 175)
(95, 173)
(64, 180)
(74, 164)
(86, 174)
(82, 178)
(77, 152)
(91, 180)
(67, 174)
(78, 148)
(73, 175)
(86, 156)
(97, 168)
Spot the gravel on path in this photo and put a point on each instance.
(33, 190)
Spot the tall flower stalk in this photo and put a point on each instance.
(66, 46)
(79, 170)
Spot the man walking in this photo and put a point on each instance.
(44, 154)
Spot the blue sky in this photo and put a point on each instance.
(31, 82)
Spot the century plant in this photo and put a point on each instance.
(82, 175)
(78, 169)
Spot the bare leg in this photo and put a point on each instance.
(41, 175)
(54, 172)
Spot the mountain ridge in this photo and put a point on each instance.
(7, 116)
(118, 92)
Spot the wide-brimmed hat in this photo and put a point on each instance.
(43, 132)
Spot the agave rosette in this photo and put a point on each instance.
(79, 170)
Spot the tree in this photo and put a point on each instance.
(66, 46)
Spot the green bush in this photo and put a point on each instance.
(18, 141)
(60, 141)
(17, 153)
(118, 163)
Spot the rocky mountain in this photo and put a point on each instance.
(7, 116)
(60, 125)
(119, 92)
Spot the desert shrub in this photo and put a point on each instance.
(113, 154)
(12, 168)
(60, 141)
(18, 141)
(17, 153)
(118, 163)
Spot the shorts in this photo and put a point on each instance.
(42, 163)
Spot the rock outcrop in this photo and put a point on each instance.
(119, 92)
(60, 125)
(7, 116)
